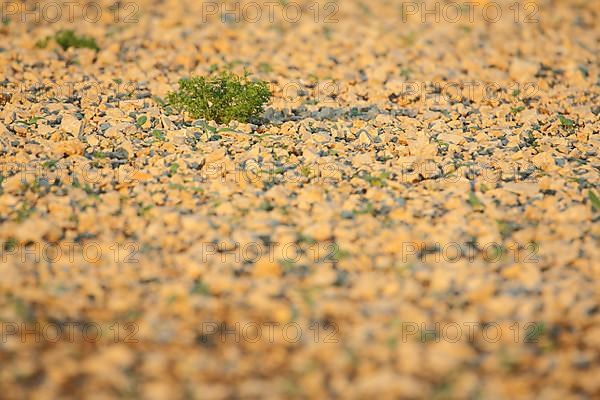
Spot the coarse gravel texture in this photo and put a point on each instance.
(416, 216)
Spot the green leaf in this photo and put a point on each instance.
(43, 43)
(201, 289)
(49, 163)
(474, 201)
(595, 200)
(566, 122)
(141, 120)
(159, 135)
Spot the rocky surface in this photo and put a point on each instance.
(416, 217)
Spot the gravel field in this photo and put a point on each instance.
(415, 215)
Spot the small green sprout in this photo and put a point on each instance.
(24, 212)
(534, 332)
(595, 200)
(200, 288)
(31, 121)
(265, 68)
(141, 121)
(158, 134)
(43, 43)
(376, 180)
(221, 97)
(68, 38)
(305, 171)
(266, 206)
(173, 168)
(10, 244)
(49, 164)
(566, 122)
(475, 202)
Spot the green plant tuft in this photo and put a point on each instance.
(566, 122)
(221, 97)
(595, 200)
(68, 38)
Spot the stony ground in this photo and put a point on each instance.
(417, 217)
